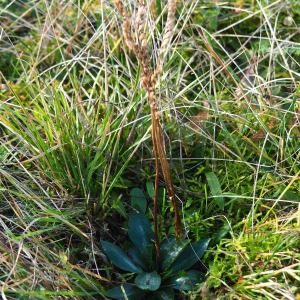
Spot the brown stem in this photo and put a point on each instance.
(156, 239)
(138, 43)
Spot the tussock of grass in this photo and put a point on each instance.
(75, 138)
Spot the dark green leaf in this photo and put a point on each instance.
(149, 255)
(215, 188)
(119, 258)
(187, 281)
(170, 251)
(161, 194)
(129, 291)
(148, 281)
(165, 242)
(138, 199)
(150, 188)
(137, 257)
(139, 230)
(189, 256)
(166, 293)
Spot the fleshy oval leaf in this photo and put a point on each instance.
(148, 281)
(119, 258)
(187, 281)
(126, 291)
(139, 230)
(189, 256)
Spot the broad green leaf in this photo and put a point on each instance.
(119, 258)
(149, 255)
(139, 230)
(166, 241)
(126, 291)
(189, 256)
(150, 188)
(215, 188)
(148, 281)
(170, 251)
(186, 281)
(138, 199)
(137, 257)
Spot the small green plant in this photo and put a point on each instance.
(158, 273)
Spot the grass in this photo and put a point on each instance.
(75, 140)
